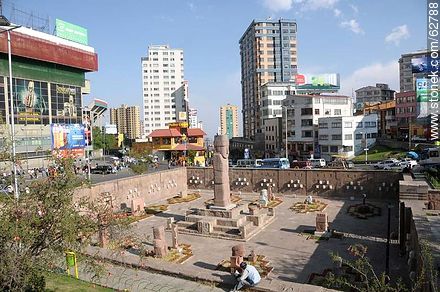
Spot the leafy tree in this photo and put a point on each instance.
(101, 140)
(45, 222)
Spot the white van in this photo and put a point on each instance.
(317, 162)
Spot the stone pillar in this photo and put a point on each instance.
(102, 232)
(222, 192)
(137, 206)
(263, 197)
(321, 222)
(159, 243)
(238, 253)
(174, 235)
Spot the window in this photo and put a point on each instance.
(334, 149)
(305, 123)
(324, 149)
(306, 111)
(358, 136)
(359, 125)
(348, 136)
(307, 134)
(336, 124)
(348, 124)
(337, 112)
(323, 125)
(317, 111)
(337, 137)
(370, 124)
(323, 137)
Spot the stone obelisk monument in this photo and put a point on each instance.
(222, 192)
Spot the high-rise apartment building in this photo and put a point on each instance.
(229, 120)
(407, 77)
(162, 81)
(127, 120)
(268, 54)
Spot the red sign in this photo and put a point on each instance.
(300, 79)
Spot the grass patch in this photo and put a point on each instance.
(186, 199)
(64, 283)
(378, 153)
(304, 208)
(154, 209)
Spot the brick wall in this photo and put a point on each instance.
(327, 183)
(151, 187)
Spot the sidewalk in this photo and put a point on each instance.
(124, 278)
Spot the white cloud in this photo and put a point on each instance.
(337, 12)
(397, 34)
(370, 75)
(355, 8)
(352, 25)
(278, 5)
(191, 6)
(319, 4)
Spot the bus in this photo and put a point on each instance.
(249, 163)
(280, 163)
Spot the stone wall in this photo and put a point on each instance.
(151, 187)
(323, 182)
(434, 199)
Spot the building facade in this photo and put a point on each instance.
(407, 77)
(229, 120)
(48, 85)
(268, 54)
(193, 119)
(273, 137)
(373, 94)
(344, 137)
(127, 121)
(272, 96)
(162, 78)
(303, 112)
(386, 121)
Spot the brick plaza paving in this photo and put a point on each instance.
(293, 256)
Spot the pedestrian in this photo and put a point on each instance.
(248, 277)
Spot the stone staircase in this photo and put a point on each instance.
(413, 187)
(235, 224)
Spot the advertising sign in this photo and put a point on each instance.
(423, 92)
(111, 129)
(421, 65)
(182, 116)
(68, 136)
(31, 101)
(321, 82)
(71, 32)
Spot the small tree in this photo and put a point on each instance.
(45, 222)
(369, 280)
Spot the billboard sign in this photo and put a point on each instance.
(68, 136)
(423, 92)
(31, 101)
(111, 129)
(71, 32)
(321, 82)
(421, 65)
(182, 116)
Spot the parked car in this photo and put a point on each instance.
(102, 169)
(301, 164)
(317, 163)
(408, 163)
(388, 162)
(350, 164)
(395, 166)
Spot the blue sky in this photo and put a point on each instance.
(362, 40)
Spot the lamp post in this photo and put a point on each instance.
(285, 111)
(387, 255)
(4, 22)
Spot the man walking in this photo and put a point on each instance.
(249, 276)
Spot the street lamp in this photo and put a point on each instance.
(4, 22)
(387, 255)
(365, 146)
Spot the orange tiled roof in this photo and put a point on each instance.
(165, 133)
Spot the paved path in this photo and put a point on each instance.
(137, 280)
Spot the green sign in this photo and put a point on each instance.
(71, 32)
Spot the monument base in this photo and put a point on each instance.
(233, 222)
(229, 207)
